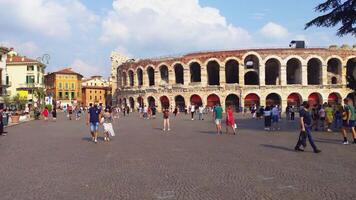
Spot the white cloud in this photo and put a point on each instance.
(162, 27)
(274, 31)
(46, 17)
(28, 48)
(85, 68)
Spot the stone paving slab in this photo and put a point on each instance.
(56, 160)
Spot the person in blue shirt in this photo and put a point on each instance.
(306, 127)
(93, 119)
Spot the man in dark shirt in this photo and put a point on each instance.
(94, 116)
(306, 127)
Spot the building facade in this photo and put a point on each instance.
(23, 75)
(3, 86)
(64, 86)
(240, 78)
(117, 59)
(96, 90)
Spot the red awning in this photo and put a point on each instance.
(333, 97)
(314, 98)
(213, 100)
(164, 99)
(252, 97)
(195, 99)
(294, 98)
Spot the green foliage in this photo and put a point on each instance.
(49, 107)
(19, 102)
(337, 12)
(39, 94)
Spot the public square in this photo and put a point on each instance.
(57, 160)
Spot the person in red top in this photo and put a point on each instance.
(45, 113)
(230, 120)
(166, 125)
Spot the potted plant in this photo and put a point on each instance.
(19, 103)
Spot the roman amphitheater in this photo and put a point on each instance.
(241, 78)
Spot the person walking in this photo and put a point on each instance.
(230, 120)
(218, 117)
(275, 118)
(166, 125)
(45, 113)
(329, 117)
(2, 123)
(54, 113)
(175, 112)
(322, 116)
(70, 112)
(306, 128)
(268, 118)
(292, 113)
(348, 122)
(201, 112)
(94, 115)
(107, 124)
(192, 111)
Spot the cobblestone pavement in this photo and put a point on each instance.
(56, 160)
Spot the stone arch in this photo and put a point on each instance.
(334, 98)
(351, 68)
(132, 103)
(124, 101)
(294, 71)
(232, 71)
(139, 76)
(273, 72)
(315, 98)
(252, 61)
(251, 78)
(195, 72)
(179, 73)
(314, 71)
(164, 101)
(151, 76)
(334, 66)
(140, 101)
(164, 72)
(212, 100)
(234, 101)
(124, 78)
(252, 99)
(294, 99)
(273, 99)
(151, 101)
(180, 102)
(196, 100)
(213, 71)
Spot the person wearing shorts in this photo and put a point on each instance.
(94, 115)
(348, 120)
(218, 116)
(275, 117)
(166, 125)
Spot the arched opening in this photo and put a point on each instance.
(294, 99)
(315, 99)
(164, 74)
(251, 78)
(252, 62)
(213, 69)
(334, 98)
(351, 69)
(140, 101)
(179, 72)
(195, 72)
(151, 76)
(124, 78)
(151, 101)
(272, 73)
(140, 76)
(334, 71)
(314, 71)
(273, 99)
(180, 102)
(132, 103)
(164, 102)
(234, 101)
(124, 100)
(294, 71)
(131, 78)
(251, 100)
(196, 100)
(232, 71)
(213, 100)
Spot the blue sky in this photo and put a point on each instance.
(82, 33)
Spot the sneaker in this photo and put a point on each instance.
(95, 141)
(163, 129)
(345, 142)
(298, 149)
(169, 129)
(317, 151)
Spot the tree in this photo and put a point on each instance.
(337, 11)
(39, 94)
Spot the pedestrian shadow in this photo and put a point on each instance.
(208, 132)
(88, 139)
(277, 147)
(328, 141)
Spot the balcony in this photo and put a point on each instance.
(31, 85)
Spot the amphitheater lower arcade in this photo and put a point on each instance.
(240, 78)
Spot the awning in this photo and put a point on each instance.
(252, 97)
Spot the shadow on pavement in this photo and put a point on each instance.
(277, 147)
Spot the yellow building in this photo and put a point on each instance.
(64, 86)
(96, 90)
